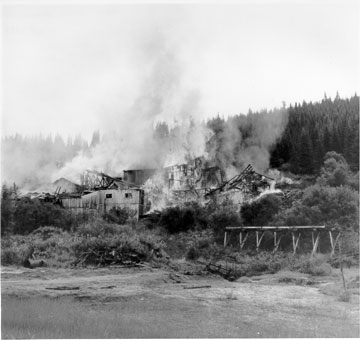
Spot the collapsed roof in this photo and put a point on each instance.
(248, 181)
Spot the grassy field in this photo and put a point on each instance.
(148, 316)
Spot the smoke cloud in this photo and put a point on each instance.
(129, 140)
(247, 139)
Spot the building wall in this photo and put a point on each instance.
(138, 177)
(104, 200)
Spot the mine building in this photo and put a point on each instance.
(103, 201)
(243, 187)
(192, 181)
(195, 174)
(139, 176)
(101, 193)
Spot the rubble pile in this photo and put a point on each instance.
(104, 256)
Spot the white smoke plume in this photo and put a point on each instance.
(248, 139)
(129, 141)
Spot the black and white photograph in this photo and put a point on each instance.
(180, 169)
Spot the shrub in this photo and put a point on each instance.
(261, 211)
(176, 219)
(99, 239)
(46, 232)
(316, 266)
(193, 253)
(98, 227)
(335, 171)
(222, 218)
(14, 250)
(117, 215)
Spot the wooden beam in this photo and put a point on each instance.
(243, 240)
(295, 241)
(275, 227)
(225, 239)
(258, 240)
(333, 242)
(315, 243)
(276, 242)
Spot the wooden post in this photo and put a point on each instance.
(315, 243)
(242, 241)
(333, 242)
(274, 239)
(276, 242)
(295, 241)
(258, 240)
(225, 239)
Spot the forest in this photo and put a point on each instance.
(319, 140)
(312, 147)
(294, 138)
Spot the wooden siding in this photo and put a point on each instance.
(104, 200)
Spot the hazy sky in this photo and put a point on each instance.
(74, 68)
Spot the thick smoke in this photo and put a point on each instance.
(129, 142)
(247, 139)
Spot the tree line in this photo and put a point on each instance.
(294, 138)
(313, 129)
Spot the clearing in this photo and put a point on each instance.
(116, 302)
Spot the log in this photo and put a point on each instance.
(198, 287)
(34, 263)
(63, 288)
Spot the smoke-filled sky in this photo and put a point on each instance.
(76, 68)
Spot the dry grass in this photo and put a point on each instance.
(42, 318)
(149, 316)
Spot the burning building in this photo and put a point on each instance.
(193, 175)
(143, 190)
(101, 193)
(244, 187)
(138, 177)
(104, 200)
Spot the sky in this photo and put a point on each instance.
(75, 68)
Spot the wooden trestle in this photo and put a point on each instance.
(295, 232)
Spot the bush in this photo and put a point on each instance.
(117, 215)
(26, 215)
(14, 250)
(97, 227)
(222, 218)
(316, 266)
(193, 253)
(261, 211)
(176, 219)
(127, 243)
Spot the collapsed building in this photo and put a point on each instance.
(198, 181)
(243, 187)
(101, 192)
(145, 190)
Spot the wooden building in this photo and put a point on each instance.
(104, 200)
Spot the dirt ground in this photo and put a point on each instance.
(166, 304)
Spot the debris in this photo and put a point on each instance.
(248, 181)
(37, 263)
(108, 287)
(104, 256)
(176, 277)
(198, 287)
(63, 288)
(218, 269)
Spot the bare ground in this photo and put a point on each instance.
(159, 303)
